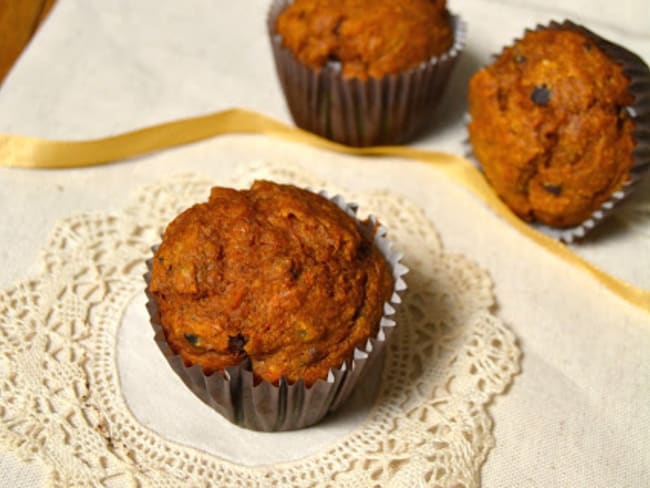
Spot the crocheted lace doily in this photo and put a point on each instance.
(60, 396)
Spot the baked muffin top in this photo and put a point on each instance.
(550, 128)
(371, 38)
(275, 274)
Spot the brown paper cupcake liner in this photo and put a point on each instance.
(269, 407)
(639, 75)
(390, 110)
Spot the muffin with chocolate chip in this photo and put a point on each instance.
(550, 125)
(278, 277)
(364, 72)
(368, 37)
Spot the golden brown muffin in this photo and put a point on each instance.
(550, 128)
(275, 274)
(371, 38)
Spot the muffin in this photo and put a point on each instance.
(552, 125)
(368, 37)
(364, 72)
(279, 282)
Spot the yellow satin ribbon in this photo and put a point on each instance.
(30, 152)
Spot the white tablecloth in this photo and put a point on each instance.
(579, 413)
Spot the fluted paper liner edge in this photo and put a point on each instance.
(391, 110)
(269, 407)
(639, 75)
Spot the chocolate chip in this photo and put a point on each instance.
(236, 344)
(552, 189)
(364, 249)
(541, 95)
(191, 338)
(161, 259)
(295, 270)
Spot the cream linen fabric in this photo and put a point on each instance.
(578, 414)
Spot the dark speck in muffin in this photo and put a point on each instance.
(541, 95)
(553, 189)
(191, 338)
(236, 344)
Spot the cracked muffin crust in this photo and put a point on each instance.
(371, 38)
(550, 128)
(275, 275)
